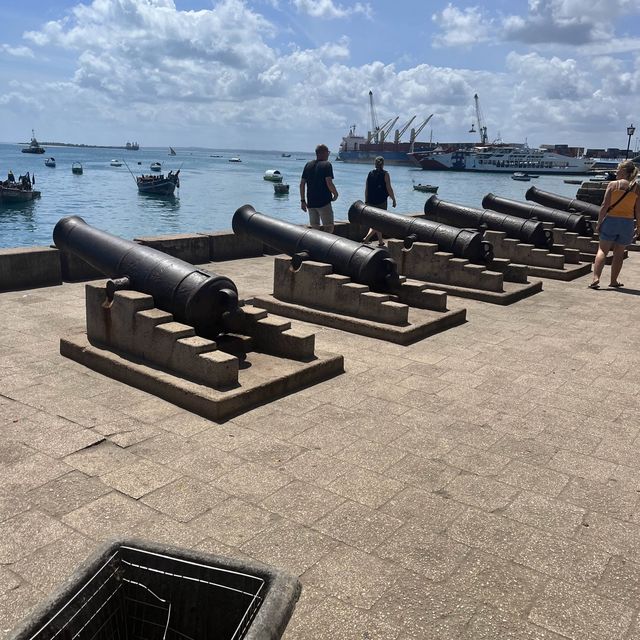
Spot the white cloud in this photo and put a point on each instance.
(17, 52)
(330, 9)
(461, 27)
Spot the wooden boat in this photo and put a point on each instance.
(273, 175)
(50, 162)
(21, 191)
(159, 185)
(426, 188)
(523, 177)
(76, 168)
(573, 181)
(155, 166)
(280, 188)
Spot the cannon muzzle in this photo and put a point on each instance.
(195, 297)
(463, 243)
(555, 201)
(364, 264)
(574, 222)
(528, 231)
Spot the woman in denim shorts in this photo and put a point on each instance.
(618, 222)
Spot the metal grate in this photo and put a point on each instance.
(143, 595)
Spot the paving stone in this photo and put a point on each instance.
(315, 467)
(302, 502)
(371, 455)
(604, 498)
(268, 450)
(139, 478)
(234, 522)
(325, 438)
(289, 546)
(67, 493)
(100, 459)
(621, 581)
(525, 449)
(29, 473)
(227, 437)
(165, 530)
(432, 509)
(164, 448)
(352, 576)
(422, 472)
(479, 491)
(110, 516)
(491, 624)
(582, 466)
(16, 604)
(205, 463)
(11, 505)
(365, 487)
(526, 476)
(577, 613)
(358, 525)
(475, 460)
(251, 482)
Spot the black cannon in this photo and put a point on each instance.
(556, 201)
(362, 263)
(194, 297)
(463, 243)
(575, 222)
(528, 231)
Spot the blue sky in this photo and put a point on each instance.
(286, 74)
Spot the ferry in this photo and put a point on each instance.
(501, 158)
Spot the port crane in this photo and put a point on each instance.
(400, 132)
(415, 132)
(482, 128)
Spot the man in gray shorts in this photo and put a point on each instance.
(317, 180)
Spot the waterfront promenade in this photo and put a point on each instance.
(483, 483)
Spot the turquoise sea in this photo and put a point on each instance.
(212, 188)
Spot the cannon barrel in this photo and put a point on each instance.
(575, 222)
(194, 297)
(556, 201)
(463, 243)
(528, 231)
(364, 264)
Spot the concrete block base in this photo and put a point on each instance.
(268, 378)
(421, 322)
(570, 271)
(512, 292)
(28, 268)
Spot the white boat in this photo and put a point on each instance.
(155, 166)
(425, 188)
(116, 163)
(273, 175)
(523, 177)
(50, 162)
(235, 159)
(76, 168)
(501, 158)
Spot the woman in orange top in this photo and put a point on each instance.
(618, 222)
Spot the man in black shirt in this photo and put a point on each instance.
(317, 181)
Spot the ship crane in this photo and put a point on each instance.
(415, 132)
(385, 129)
(481, 125)
(400, 133)
(375, 129)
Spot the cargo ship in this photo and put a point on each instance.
(364, 149)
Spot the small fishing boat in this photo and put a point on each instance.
(286, 155)
(76, 168)
(21, 190)
(573, 181)
(50, 162)
(426, 188)
(116, 163)
(280, 188)
(273, 175)
(523, 177)
(236, 159)
(155, 166)
(172, 151)
(159, 185)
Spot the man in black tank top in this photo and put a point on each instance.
(376, 191)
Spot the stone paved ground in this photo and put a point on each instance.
(483, 483)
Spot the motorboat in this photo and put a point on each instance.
(34, 145)
(50, 162)
(286, 155)
(155, 166)
(159, 185)
(235, 159)
(523, 177)
(76, 168)
(280, 188)
(273, 175)
(116, 163)
(426, 188)
(573, 181)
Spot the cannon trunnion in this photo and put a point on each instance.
(195, 297)
(528, 231)
(364, 264)
(461, 242)
(555, 201)
(574, 222)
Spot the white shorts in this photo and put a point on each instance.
(316, 214)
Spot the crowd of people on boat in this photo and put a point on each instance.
(24, 182)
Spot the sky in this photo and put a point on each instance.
(289, 74)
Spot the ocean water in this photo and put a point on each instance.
(212, 188)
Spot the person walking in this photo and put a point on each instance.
(317, 181)
(376, 191)
(618, 222)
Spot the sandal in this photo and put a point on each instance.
(381, 244)
(616, 285)
(594, 285)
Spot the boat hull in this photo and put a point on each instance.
(30, 150)
(158, 187)
(9, 194)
